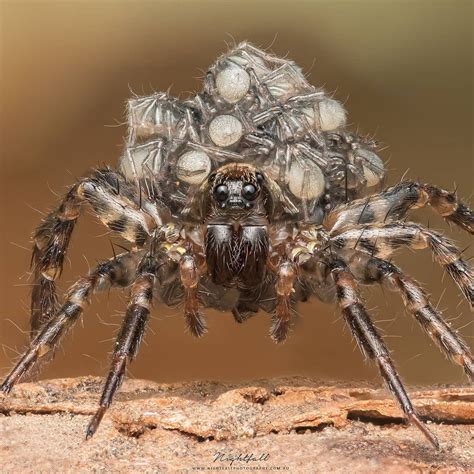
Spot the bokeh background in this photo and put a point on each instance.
(404, 70)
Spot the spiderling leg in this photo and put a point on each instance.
(373, 269)
(371, 343)
(115, 272)
(129, 337)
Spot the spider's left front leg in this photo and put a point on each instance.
(136, 317)
(370, 270)
(306, 254)
(371, 343)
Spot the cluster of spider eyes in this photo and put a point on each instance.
(249, 192)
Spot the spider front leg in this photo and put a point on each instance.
(130, 335)
(381, 240)
(371, 342)
(395, 203)
(113, 200)
(369, 270)
(115, 272)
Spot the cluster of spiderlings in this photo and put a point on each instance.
(254, 108)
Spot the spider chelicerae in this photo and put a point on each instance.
(251, 195)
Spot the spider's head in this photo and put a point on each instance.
(236, 187)
(236, 190)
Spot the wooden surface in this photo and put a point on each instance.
(295, 424)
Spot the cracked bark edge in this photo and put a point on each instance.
(207, 410)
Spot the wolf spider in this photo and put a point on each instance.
(248, 196)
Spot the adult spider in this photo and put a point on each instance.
(246, 196)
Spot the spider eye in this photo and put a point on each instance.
(221, 192)
(249, 191)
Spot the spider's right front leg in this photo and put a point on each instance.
(112, 199)
(130, 334)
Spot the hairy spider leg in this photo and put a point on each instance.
(371, 343)
(111, 197)
(189, 274)
(117, 271)
(394, 204)
(370, 270)
(130, 335)
(381, 240)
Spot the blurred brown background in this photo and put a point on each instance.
(404, 69)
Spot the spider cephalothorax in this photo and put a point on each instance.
(237, 187)
(234, 191)
(250, 195)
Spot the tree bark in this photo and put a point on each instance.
(294, 424)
